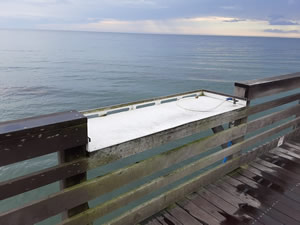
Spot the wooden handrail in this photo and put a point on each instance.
(267, 86)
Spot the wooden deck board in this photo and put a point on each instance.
(267, 191)
(166, 218)
(183, 216)
(198, 213)
(252, 204)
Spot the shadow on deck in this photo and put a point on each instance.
(267, 191)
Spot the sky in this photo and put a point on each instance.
(274, 18)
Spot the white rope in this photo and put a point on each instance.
(197, 110)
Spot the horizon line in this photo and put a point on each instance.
(145, 33)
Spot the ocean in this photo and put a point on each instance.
(50, 71)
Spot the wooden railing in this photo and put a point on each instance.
(66, 133)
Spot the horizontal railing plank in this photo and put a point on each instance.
(101, 210)
(91, 189)
(43, 177)
(162, 201)
(25, 128)
(47, 176)
(62, 171)
(269, 86)
(43, 143)
(69, 198)
(272, 104)
(272, 118)
(122, 200)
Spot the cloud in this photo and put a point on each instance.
(234, 20)
(230, 7)
(283, 23)
(279, 20)
(282, 31)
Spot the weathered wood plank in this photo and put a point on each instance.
(270, 171)
(281, 202)
(42, 143)
(120, 177)
(270, 132)
(278, 169)
(280, 155)
(272, 104)
(70, 155)
(241, 210)
(108, 207)
(167, 199)
(207, 207)
(270, 86)
(282, 212)
(282, 181)
(229, 209)
(269, 176)
(27, 127)
(152, 221)
(270, 194)
(252, 204)
(288, 152)
(182, 216)
(283, 162)
(156, 204)
(293, 144)
(272, 118)
(285, 190)
(80, 166)
(217, 130)
(291, 148)
(61, 171)
(165, 218)
(43, 177)
(198, 213)
(150, 186)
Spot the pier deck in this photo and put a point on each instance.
(267, 191)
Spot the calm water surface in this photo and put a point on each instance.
(46, 71)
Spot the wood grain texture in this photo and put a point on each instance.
(19, 150)
(269, 86)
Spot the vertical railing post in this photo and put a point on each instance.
(70, 155)
(240, 92)
(297, 115)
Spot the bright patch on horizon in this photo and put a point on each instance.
(212, 25)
